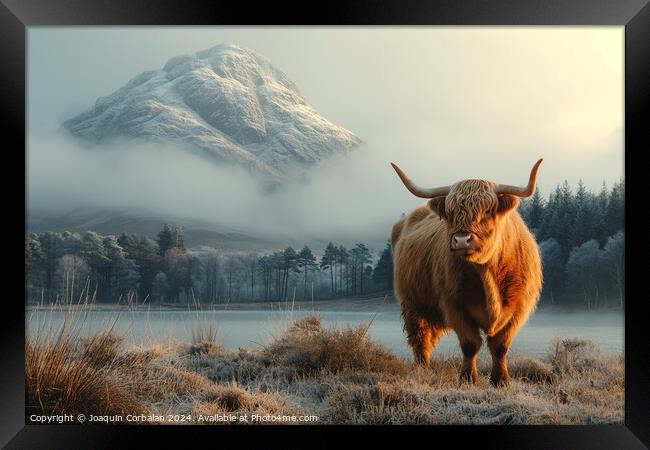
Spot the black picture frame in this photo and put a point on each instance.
(17, 15)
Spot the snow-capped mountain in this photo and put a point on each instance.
(225, 103)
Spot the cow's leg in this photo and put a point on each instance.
(470, 343)
(499, 344)
(421, 337)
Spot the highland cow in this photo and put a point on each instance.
(466, 262)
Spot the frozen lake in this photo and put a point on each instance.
(251, 328)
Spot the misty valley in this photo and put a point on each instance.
(579, 232)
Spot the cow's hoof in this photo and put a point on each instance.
(469, 377)
(421, 362)
(499, 380)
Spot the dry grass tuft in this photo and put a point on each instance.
(204, 332)
(101, 349)
(309, 349)
(63, 377)
(231, 398)
(576, 356)
(205, 348)
(531, 370)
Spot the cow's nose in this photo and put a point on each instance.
(460, 241)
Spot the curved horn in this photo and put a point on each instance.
(417, 190)
(525, 191)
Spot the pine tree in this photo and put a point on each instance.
(276, 260)
(177, 267)
(306, 261)
(328, 260)
(166, 240)
(363, 258)
(551, 215)
(289, 265)
(565, 216)
(251, 264)
(599, 218)
(144, 251)
(117, 269)
(559, 215)
(582, 272)
(553, 268)
(383, 272)
(94, 253)
(342, 257)
(70, 243)
(615, 214)
(535, 212)
(582, 224)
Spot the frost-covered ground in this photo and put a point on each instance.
(338, 375)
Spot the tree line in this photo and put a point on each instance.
(580, 233)
(582, 240)
(163, 270)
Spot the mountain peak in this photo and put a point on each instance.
(225, 103)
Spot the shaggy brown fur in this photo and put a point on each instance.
(493, 289)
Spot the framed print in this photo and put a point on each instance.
(409, 217)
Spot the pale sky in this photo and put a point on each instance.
(446, 103)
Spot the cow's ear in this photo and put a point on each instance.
(507, 203)
(437, 204)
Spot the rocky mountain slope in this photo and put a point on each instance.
(225, 103)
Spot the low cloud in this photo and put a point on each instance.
(345, 198)
(348, 198)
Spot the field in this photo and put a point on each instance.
(331, 375)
